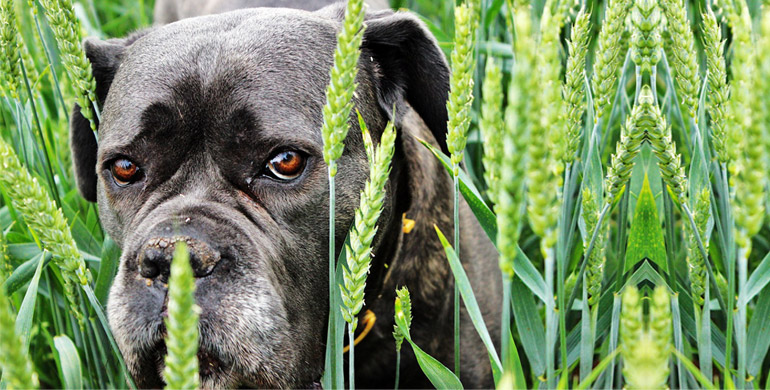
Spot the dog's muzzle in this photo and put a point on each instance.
(156, 255)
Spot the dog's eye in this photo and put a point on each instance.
(286, 165)
(124, 171)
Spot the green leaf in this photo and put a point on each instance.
(107, 268)
(598, 370)
(704, 337)
(528, 274)
(23, 274)
(437, 373)
(694, 370)
(69, 362)
(759, 334)
(529, 325)
(645, 240)
(469, 299)
(757, 281)
(587, 338)
(519, 380)
(491, 13)
(27, 309)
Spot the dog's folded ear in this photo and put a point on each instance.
(105, 58)
(411, 66)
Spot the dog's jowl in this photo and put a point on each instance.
(210, 134)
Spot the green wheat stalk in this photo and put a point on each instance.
(663, 146)
(403, 319)
(719, 90)
(492, 127)
(461, 85)
(683, 56)
(359, 252)
(573, 90)
(181, 371)
(696, 264)
(626, 149)
(342, 85)
(543, 171)
(10, 52)
(5, 260)
(645, 346)
(458, 109)
(595, 265)
(646, 42)
(336, 114)
(67, 32)
(761, 110)
(45, 220)
(519, 118)
(750, 165)
(608, 56)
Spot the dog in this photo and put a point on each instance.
(210, 134)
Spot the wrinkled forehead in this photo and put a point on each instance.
(271, 62)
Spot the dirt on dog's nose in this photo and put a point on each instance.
(156, 255)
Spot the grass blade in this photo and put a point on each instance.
(440, 376)
(585, 383)
(27, 309)
(757, 281)
(470, 301)
(23, 274)
(107, 268)
(759, 334)
(69, 362)
(529, 325)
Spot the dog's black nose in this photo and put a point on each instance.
(156, 255)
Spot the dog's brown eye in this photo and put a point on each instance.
(124, 171)
(286, 165)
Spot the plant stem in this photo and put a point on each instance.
(351, 357)
(740, 332)
(505, 327)
(549, 326)
(333, 364)
(727, 228)
(562, 260)
(398, 368)
(456, 287)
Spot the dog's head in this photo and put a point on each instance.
(210, 134)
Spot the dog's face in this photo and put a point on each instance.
(210, 135)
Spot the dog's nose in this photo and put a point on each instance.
(156, 255)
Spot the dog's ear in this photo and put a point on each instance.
(411, 67)
(105, 58)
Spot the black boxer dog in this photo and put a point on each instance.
(210, 134)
